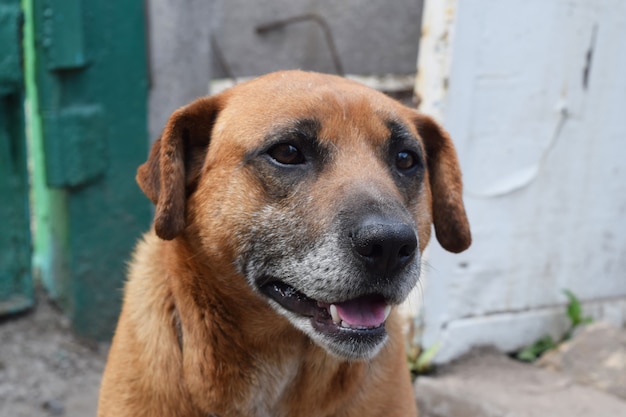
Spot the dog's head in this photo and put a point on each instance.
(320, 191)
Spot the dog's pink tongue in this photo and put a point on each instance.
(364, 311)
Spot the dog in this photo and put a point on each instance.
(291, 214)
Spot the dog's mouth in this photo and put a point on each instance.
(358, 320)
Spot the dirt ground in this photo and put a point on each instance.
(45, 370)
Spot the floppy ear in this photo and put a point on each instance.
(451, 225)
(173, 167)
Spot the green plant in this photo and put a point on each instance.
(574, 314)
(533, 352)
(420, 361)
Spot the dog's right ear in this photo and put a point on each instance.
(175, 162)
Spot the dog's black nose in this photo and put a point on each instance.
(384, 246)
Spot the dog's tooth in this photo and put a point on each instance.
(344, 324)
(334, 314)
(387, 311)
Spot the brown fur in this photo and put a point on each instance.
(194, 339)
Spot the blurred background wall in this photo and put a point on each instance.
(534, 95)
(371, 37)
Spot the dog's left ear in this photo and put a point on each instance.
(175, 162)
(451, 225)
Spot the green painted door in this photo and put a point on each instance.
(16, 289)
(87, 85)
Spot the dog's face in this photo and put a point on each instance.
(320, 191)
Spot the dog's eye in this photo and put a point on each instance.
(405, 160)
(286, 154)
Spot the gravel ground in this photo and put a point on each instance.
(45, 370)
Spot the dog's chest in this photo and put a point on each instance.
(270, 392)
(274, 388)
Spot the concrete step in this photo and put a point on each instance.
(489, 384)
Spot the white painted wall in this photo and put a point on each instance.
(534, 95)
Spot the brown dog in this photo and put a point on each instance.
(291, 212)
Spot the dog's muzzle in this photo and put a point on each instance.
(379, 252)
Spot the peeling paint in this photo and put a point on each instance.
(589, 57)
(433, 65)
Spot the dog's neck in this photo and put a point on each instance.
(178, 327)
